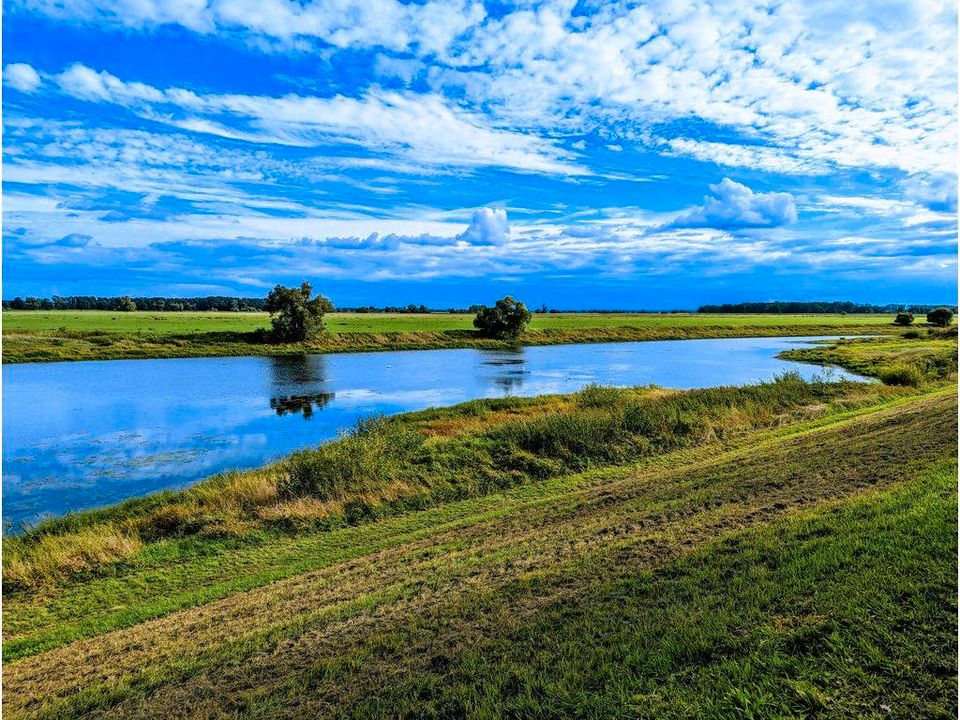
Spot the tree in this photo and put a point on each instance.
(506, 319)
(903, 319)
(126, 304)
(940, 317)
(294, 316)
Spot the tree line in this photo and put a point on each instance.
(124, 303)
(777, 307)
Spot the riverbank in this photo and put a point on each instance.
(643, 551)
(51, 336)
(659, 582)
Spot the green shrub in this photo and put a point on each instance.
(901, 374)
(376, 452)
(505, 320)
(599, 396)
(940, 317)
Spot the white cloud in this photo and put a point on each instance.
(22, 77)
(425, 128)
(391, 24)
(734, 206)
(936, 192)
(809, 85)
(488, 227)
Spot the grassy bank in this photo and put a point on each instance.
(765, 576)
(388, 466)
(45, 336)
(781, 550)
(914, 358)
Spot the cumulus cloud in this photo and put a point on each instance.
(488, 227)
(22, 77)
(735, 206)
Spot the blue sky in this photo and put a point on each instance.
(592, 154)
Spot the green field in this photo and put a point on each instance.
(174, 323)
(38, 336)
(780, 550)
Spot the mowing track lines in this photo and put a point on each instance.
(180, 646)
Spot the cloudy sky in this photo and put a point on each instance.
(592, 154)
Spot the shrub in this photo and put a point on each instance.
(505, 320)
(900, 374)
(940, 317)
(373, 454)
(294, 316)
(599, 396)
(903, 319)
(911, 335)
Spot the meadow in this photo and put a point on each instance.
(780, 550)
(38, 336)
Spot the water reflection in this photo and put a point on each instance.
(299, 372)
(300, 404)
(508, 369)
(290, 370)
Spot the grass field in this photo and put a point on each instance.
(782, 550)
(38, 336)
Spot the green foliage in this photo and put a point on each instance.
(901, 374)
(294, 315)
(507, 319)
(903, 319)
(606, 426)
(366, 459)
(940, 317)
(126, 304)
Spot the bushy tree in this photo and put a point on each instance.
(126, 304)
(940, 317)
(294, 315)
(903, 318)
(507, 319)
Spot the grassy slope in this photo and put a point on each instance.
(684, 586)
(38, 336)
(931, 357)
(779, 552)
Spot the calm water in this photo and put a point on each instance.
(79, 435)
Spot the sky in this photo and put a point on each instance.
(652, 155)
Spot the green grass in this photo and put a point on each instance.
(782, 550)
(175, 323)
(389, 466)
(766, 575)
(930, 356)
(43, 336)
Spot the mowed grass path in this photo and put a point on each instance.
(44, 336)
(809, 571)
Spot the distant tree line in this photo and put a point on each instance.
(815, 307)
(126, 302)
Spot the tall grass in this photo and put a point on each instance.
(605, 426)
(389, 465)
(42, 559)
(375, 452)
